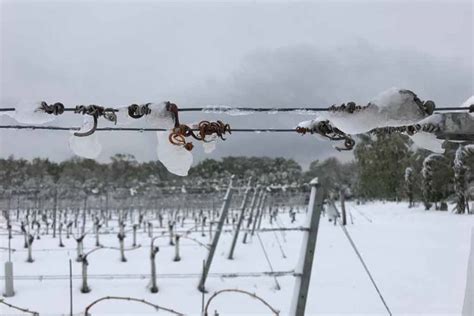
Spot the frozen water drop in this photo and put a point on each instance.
(160, 117)
(87, 146)
(175, 158)
(28, 112)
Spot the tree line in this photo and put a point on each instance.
(376, 172)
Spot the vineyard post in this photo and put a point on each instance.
(55, 210)
(254, 202)
(343, 206)
(468, 305)
(220, 224)
(262, 211)
(305, 263)
(9, 289)
(259, 210)
(70, 288)
(241, 218)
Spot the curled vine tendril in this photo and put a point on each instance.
(55, 109)
(180, 132)
(137, 111)
(325, 129)
(95, 111)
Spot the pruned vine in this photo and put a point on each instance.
(24, 310)
(252, 295)
(131, 299)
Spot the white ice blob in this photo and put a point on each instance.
(28, 112)
(310, 124)
(87, 146)
(123, 118)
(175, 158)
(210, 143)
(428, 141)
(435, 119)
(468, 103)
(219, 109)
(160, 117)
(393, 107)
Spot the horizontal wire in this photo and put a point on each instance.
(224, 109)
(293, 109)
(138, 129)
(159, 275)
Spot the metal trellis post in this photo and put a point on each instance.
(259, 210)
(239, 223)
(252, 208)
(307, 251)
(220, 225)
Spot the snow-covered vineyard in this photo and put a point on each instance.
(157, 256)
(238, 247)
(289, 158)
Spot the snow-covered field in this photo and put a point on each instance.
(418, 259)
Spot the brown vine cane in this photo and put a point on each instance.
(180, 132)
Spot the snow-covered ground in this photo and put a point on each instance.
(418, 259)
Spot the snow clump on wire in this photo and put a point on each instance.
(393, 107)
(29, 112)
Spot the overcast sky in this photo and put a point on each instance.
(240, 54)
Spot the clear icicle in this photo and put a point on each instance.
(210, 143)
(123, 118)
(88, 146)
(468, 103)
(159, 116)
(428, 141)
(175, 158)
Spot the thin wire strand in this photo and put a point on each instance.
(351, 241)
(225, 109)
(359, 256)
(268, 260)
(138, 129)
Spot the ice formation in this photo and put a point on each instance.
(175, 158)
(88, 146)
(468, 103)
(393, 107)
(159, 117)
(209, 144)
(219, 109)
(123, 118)
(428, 141)
(28, 112)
